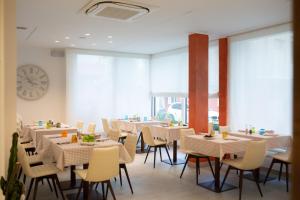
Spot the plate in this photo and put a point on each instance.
(87, 143)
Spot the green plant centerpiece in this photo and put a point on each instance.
(12, 188)
(88, 138)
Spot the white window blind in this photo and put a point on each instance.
(260, 80)
(169, 73)
(108, 85)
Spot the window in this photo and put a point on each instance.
(171, 108)
(260, 80)
(213, 82)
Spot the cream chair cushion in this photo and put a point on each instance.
(105, 125)
(91, 128)
(147, 136)
(130, 146)
(253, 158)
(285, 157)
(35, 159)
(44, 170)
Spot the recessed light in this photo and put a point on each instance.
(110, 42)
(87, 34)
(57, 41)
(72, 45)
(109, 37)
(67, 37)
(94, 44)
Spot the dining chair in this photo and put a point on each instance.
(105, 125)
(122, 134)
(130, 146)
(91, 128)
(103, 165)
(79, 126)
(113, 133)
(282, 159)
(154, 143)
(38, 173)
(251, 161)
(190, 154)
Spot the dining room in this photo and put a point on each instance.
(150, 100)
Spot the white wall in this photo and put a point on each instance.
(52, 104)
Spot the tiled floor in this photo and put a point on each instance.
(163, 183)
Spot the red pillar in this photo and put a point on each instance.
(198, 82)
(223, 60)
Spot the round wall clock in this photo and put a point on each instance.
(32, 82)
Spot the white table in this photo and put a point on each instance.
(170, 134)
(216, 147)
(272, 141)
(74, 154)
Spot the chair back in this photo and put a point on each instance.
(130, 145)
(79, 125)
(23, 159)
(113, 135)
(91, 128)
(254, 155)
(105, 125)
(183, 133)
(103, 164)
(147, 136)
(115, 125)
(223, 129)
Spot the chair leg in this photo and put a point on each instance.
(59, 187)
(49, 184)
(241, 183)
(103, 195)
(20, 173)
(256, 178)
(287, 176)
(111, 190)
(225, 177)
(53, 181)
(210, 166)
(30, 186)
(35, 188)
(120, 175)
(24, 179)
(168, 154)
(280, 171)
(160, 154)
(269, 170)
(186, 155)
(128, 179)
(155, 148)
(147, 154)
(79, 190)
(197, 169)
(139, 138)
(186, 161)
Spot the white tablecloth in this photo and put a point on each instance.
(36, 133)
(135, 126)
(169, 133)
(217, 146)
(74, 154)
(277, 141)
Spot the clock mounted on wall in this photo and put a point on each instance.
(32, 82)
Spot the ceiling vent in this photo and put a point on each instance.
(116, 10)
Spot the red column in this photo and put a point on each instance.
(198, 82)
(223, 60)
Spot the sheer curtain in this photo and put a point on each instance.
(260, 80)
(213, 69)
(101, 84)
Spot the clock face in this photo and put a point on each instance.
(32, 82)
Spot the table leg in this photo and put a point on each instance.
(73, 176)
(215, 184)
(142, 143)
(217, 175)
(175, 151)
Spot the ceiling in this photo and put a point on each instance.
(166, 28)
